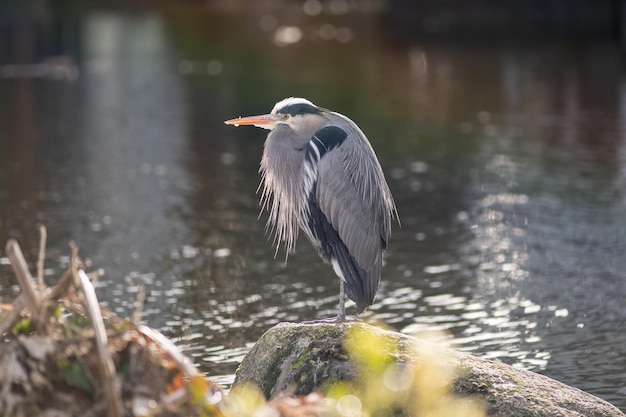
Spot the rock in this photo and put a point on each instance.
(303, 358)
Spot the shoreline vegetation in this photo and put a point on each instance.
(64, 355)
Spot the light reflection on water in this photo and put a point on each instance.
(508, 178)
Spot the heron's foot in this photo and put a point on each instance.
(332, 320)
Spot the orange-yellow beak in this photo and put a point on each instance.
(266, 121)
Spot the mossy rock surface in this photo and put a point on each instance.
(303, 358)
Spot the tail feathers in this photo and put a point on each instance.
(361, 285)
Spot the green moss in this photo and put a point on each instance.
(302, 358)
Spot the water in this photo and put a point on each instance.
(507, 162)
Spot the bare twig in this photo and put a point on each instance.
(25, 280)
(10, 319)
(61, 288)
(170, 348)
(141, 298)
(43, 234)
(58, 291)
(107, 367)
(74, 263)
(180, 396)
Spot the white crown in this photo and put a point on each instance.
(290, 101)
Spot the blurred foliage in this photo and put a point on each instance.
(386, 386)
(73, 375)
(421, 388)
(23, 327)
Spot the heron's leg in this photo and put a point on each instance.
(342, 301)
(341, 317)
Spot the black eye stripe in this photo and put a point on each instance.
(299, 108)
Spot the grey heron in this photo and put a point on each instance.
(321, 175)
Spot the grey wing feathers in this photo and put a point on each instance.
(354, 196)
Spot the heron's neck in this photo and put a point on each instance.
(281, 172)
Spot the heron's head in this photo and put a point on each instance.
(297, 113)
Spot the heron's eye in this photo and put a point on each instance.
(284, 118)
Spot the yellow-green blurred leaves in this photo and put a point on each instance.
(247, 402)
(421, 387)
